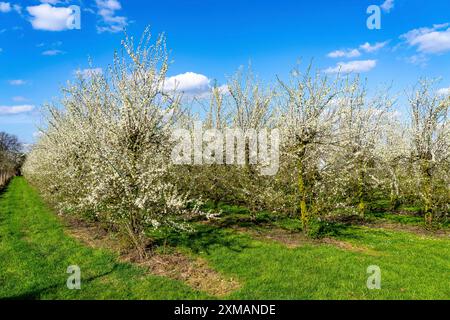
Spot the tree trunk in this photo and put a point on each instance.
(427, 192)
(362, 191)
(395, 193)
(302, 190)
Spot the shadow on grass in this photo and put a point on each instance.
(244, 220)
(37, 294)
(4, 188)
(202, 239)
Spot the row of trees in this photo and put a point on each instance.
(11, 157)
(341, 149)
(105, 153)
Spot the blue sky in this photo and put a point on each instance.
(210, 39)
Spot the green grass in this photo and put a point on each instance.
(399, 218)
(35, 252)
(408, 215)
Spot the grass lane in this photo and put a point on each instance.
(35, 252)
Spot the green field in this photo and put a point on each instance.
(36, 249)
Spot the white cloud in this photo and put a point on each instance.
(353, 66)
(49, 18)
(349, 53)
(354, 53)
(367, 47)
(433, 40)
(17, 8)
(19, 99)
(50, 1)
(52, 52)
(87, 73)
(9, 110)
(92, 11)
(387, 5)
(417, 59)
(223, 89)
(444, 91)
(192, 85)
(5, 7)
(17, 82)
(37, 134)
(106, 9)
(188, 82)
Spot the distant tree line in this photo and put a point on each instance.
(11, 157)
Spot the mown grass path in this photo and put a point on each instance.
(35, 252)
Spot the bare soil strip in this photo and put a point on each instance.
(294, 240)
(418, 230)
(194, 271)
